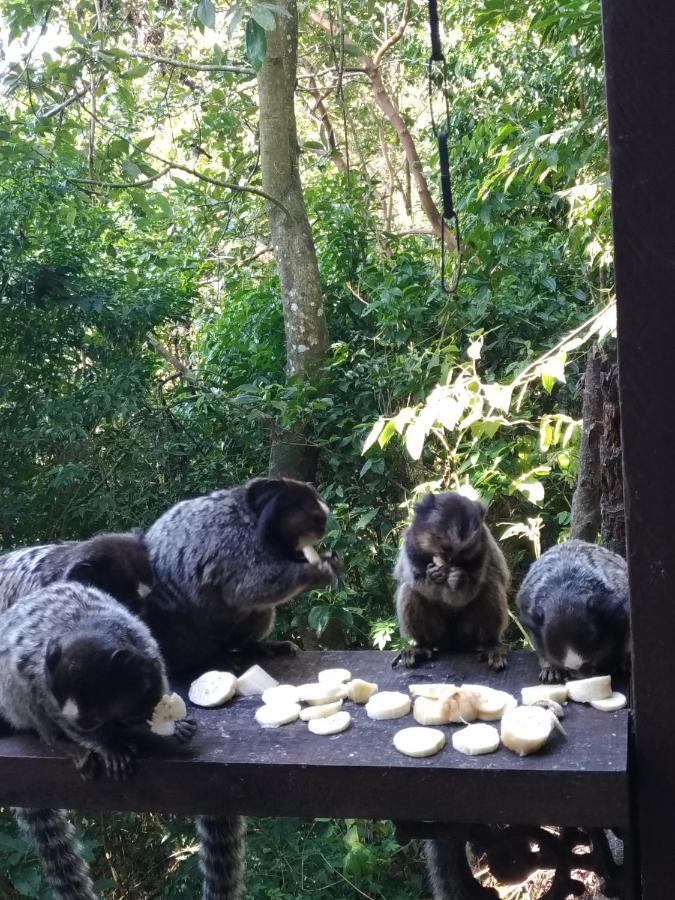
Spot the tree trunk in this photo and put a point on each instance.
(613, 522)
(291, 455)
(586, 500)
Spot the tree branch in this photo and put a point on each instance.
(173, 360)
(386, 46)
(320, 112)
(192, 67)
(119, 185)
(55, 110)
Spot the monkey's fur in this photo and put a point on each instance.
(78, 668)
(574, 603)
(115, 563)
(453, 582)
(222, 563)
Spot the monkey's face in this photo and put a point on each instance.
(582, 644)
(117, 564)
(448, 527)
(290, 514)
(96, 685)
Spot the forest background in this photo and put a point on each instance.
(143, 355)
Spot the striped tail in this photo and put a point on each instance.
(59, 850)
(222, 856)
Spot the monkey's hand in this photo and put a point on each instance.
(413, 656)
(456, 578)
(549, 674)
(86, 764)
(184, 730)
(336, 562)
(270, 649)
(495, 656)
(321, 574)
(437, 574)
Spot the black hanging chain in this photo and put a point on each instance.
(438, 80)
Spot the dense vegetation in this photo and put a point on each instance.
(142, 354)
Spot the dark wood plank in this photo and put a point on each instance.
(235, 766)
(640, 67)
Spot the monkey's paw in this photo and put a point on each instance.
(495, 657)
(553, 674)
(456, 578)
(413, 656)
(437, 574)
(86, 765)
(184, 730)
(119, 763)
(270, 649)
(335, 561)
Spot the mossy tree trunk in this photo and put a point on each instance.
(292, 453)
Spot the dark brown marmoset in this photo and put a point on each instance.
(453, 582)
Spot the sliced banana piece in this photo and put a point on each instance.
(254, 681)
(430, 712)
(212, 689)
(432, 691)
(360, 691)
(280, 714)
(419, 742)
(610, 704)
(491, 703)
(462, 706)
(527, 728)
(553, 705)
(334, 676)
(536, 692)
(334, 724)
(281, 693)
(320, 712)
(317, 694)
(388, 705)
(474, 740)
(168, 711)
(587, 689)
(310, 554)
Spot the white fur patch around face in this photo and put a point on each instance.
(572, 660)
(70, 710)
(143, 590)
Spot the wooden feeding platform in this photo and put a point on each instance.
(235, 766)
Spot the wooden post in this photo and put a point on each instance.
(640, 72)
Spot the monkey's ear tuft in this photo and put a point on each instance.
(481, 508)
(82, 570)
(122, 657)
(53, 655)
(425, 504)
(261, 490)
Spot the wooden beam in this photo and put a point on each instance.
(640, 73)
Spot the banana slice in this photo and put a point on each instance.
(280, 714)
(212, 689)
(587, 689)
(168, 711)
(281, 693)
(462, 706)
(527, 728)
(330, 724)
(432, 691)
(474, 740)
(334, 676)
(360, 691)
(557, 692)
(430, 712)
(317, 694)
(310, 554)
(491, 703)
(320, 712)
(419, 742)
(610, 704)
(254, 681)
(388, 705)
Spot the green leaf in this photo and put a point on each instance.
(131, 168)
(206, 13)
(366, 519)
(319, 617)
(256, 44)
(373, 435)
(237, 16)
(264, 17)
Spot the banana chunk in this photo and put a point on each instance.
(527, 728)
(490, 703)
(432, 691)
(419, 742)
(254, 681)
(334, 676)
(474, 740)
(537, 692)
(168, 711)
(430, 712)
(310, 554)
(280, 714)
(610, 704)
(587, 689)
(212, 689)
(281, 693)
(388, 705)
(320, 712)
(317, 694)
(334, 724)
(360, 691)
(462, 706)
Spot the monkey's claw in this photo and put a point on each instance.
(413, 656)
(270, 649)
(119, 764)
(184, 730)
(553, 675)
(495, 657)
(86, 765)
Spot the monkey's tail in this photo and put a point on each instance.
(59, 850)
(222, 856)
